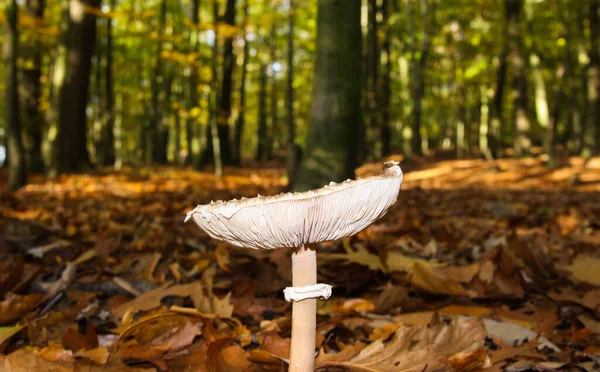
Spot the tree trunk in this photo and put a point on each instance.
(385, 133)
(108, 134)
(157, 128)
(496, 122)
(73, 97)
(241, 120)
(224, 103)
(193, 132)
(261, 149)
(30, 93)
(428, 12)
(333, 141)
(17, 176)
(572, 134)
(371, 115)
(215, 140)
(520, 119)
(592, 130)
(274, 130)
(292, 161)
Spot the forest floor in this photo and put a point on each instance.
(478, 265)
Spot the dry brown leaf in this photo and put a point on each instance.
(392, 296)
(144, 353)
(429, 279)
(98, 355)
(225, 358)
(74, 340)
(527, 350)
(418, 348)
(421, 318)
(16, 273)
(8, 332)
(585, 269)
(151, 299)
(14, 307)
(276, 345)
(180, 338)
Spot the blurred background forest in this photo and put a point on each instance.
(207, 83)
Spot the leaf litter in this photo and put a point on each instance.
(475, 267)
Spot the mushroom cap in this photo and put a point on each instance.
(293, 220)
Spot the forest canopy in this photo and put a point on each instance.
(129, 82)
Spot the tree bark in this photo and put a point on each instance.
(30, 93)
(215, 145)
(108, 134)
(241, 120)
(261, 149)
(157, 128)
(418, 81)
(193, 132)
(520, 118)
(16, 156)
(274, 130)
(73, 154)
(372, 88)
(333, 141)
(386, 90)
(592, 130)
(224, 103)
(292, 161)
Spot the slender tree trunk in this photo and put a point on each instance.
(73, 97)
(108, 129)
(212, 101)
(372, 77)
(521, 124)
(559, 96)
(428, 12)
(573, 124)
(119, 151)
(193, 132)
(496, 122)
(157, 130)
(292, 161)
(592, 132)
(241, 120)
(385, 133)
(224, 102)
(274, 130)
(17, 173)
(261, 149)
(333, 141)
(97, 104)
(30, 93)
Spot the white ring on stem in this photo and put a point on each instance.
(322, 291)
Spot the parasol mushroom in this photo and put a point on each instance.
(294, 220)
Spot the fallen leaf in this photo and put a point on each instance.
(14, 307)
(98, 355)
(276, 345)
(428, 279)
(151, 299)
(391, 297)
(440, 346)
(585, 269)
(8, 332)
(514, 334)
(225, 358)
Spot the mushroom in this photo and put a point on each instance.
(294, 220)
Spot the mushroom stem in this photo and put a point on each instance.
(304, 313)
